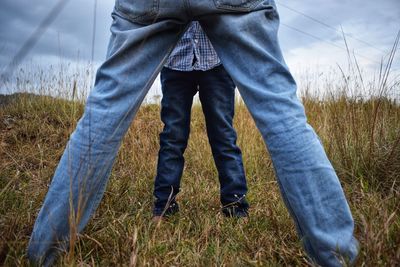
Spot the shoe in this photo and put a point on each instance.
(157, 219)
(234, 211)
(172, 209)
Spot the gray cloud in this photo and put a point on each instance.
(375, 23)
(71, 33)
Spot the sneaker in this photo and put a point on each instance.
(172, 209)
(158, 219)
(235, 211)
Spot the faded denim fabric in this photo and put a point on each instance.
(244, 34)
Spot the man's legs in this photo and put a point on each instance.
(178, 90)
(248, 47)
(217, 96)
(135, 56)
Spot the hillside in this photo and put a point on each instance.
(362, 138)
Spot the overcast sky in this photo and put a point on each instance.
(376, 23)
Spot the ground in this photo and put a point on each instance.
(361, 139)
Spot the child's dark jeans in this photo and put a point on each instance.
(217, 95)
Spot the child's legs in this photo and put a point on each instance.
(178, 89)
(217, 96)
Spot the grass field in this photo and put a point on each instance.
(361, 137)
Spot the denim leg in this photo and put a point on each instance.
(135, 56)
(217, 96)
(248, 47)
(178, 90)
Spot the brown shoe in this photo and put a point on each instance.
(158, 219)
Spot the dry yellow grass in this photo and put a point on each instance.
(364, 150)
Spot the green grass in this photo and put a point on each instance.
(360, 137)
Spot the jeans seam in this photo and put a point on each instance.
(140, 98)
(296, 220)
(151, 12)
(236, 8)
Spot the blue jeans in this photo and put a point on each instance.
(217, 96)
(244, 34)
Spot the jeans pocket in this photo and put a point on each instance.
(141, 11)
(237, 5)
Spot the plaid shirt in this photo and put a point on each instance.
(193, 52)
